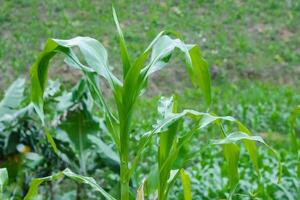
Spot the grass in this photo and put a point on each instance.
(256, 39)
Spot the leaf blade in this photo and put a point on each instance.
(33, 189)
(123, 47)
(186, 183)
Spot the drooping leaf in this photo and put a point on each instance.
(250, 146)
(231, 150)
(232, 153)
(241, 136)
(93, 53)
(33, 189)
(133, 83)
(238, 136)
(162, 48)
(196, 66)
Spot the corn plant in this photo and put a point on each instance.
(175, 130)
(93, 63)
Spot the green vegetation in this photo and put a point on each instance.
(137, 143)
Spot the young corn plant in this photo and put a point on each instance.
(125, 91)
(175, 131)
(93, 63)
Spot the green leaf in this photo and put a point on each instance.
(250, 146)
(35, 183)
(288, 194)
(201, 75)
(167, 151)
(196, 66)
(50, 140)
(171, 118)
(3, 178)
(231, 150)
(171, 181)
(231, 153)
(124, 52)
(78, 125)
(133, 83)
(95, 57)
(186, 183)
(107, 154)
(238, 136)
(211, 118)
(152, 180)
(104, 148)
(12, 98)
(93, 53)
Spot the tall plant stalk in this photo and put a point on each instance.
(125, 120)
(94, 64)
(172, 151)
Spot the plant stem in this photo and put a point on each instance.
(125, 119)
(78, 192)
(124, 183)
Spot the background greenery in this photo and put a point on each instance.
(252, 47)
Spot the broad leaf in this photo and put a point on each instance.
(107, 154)
(232, 153)
(78, 125)
(195, 64)
(3, 178)
(238, 136)
(93, 53)
(232, 138)
(12, 99)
